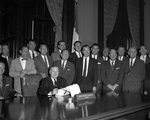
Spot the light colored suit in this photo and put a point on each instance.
(16, 68)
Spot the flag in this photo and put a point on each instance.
(75, 29)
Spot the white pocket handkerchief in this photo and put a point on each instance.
(68, 69)
(117, 68)
(98, 63)
(7, 85)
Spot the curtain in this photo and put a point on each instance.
(68, 22)
(55, 8)
(110, 13)
(133, 15)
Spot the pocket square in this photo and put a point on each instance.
(117, 68)
(98, 63)
(7, 85)
(68, 69)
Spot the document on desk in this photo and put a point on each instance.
(73, 89)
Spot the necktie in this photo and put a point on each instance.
(112, 64)
(131, 63)
(1, 84)
(45, 60)
(85, 64)
(33, 54)
(55, 82)
(63, 65)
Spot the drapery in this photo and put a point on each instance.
(110, 13)
(134, 22)
(55, 8)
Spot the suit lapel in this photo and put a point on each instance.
(135, 63)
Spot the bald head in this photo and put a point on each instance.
(113, 54)
(132, 52)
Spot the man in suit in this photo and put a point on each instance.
(6, 89)
(112, 73)
(86, 75)
(99, 59)
(43, 61)
(6, 73)
(5, 54)
(32, 52)
(146, 60)
(61, 45)
(121, 52)
(134, 72)
(66, 68)
(20, 67)
(77, 53)
(50, 85)
(105, 54)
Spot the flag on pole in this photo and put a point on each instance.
(75, 29)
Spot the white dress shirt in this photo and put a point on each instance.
(78, 54)
(143, 57)
(87, 66)
(94, 56)
(23, 63)
(32, 52)
(133, 60)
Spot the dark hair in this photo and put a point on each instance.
(58, 43)
(86, 45)
(32, 40)
(42, 44)
(95, 44)
(77, 42)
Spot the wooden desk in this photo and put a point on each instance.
(106, 106)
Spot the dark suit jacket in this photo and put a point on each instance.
(112, 76)
(73, 57)
(40, 65)
(88, 82)
(7, 90)
(46, 85)
(6, 65)
(134, 76)
(68, 72)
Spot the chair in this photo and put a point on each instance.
(30, 84)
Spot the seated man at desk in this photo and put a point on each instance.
(6, 89)
(50, 85)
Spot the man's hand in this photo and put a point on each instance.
(114, 86)
(55, 91)
(18, 95)
(1, 98)
(110, 87)
(43, 75)
(94, 89)
(23, 73)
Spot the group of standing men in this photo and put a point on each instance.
(111, 71)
